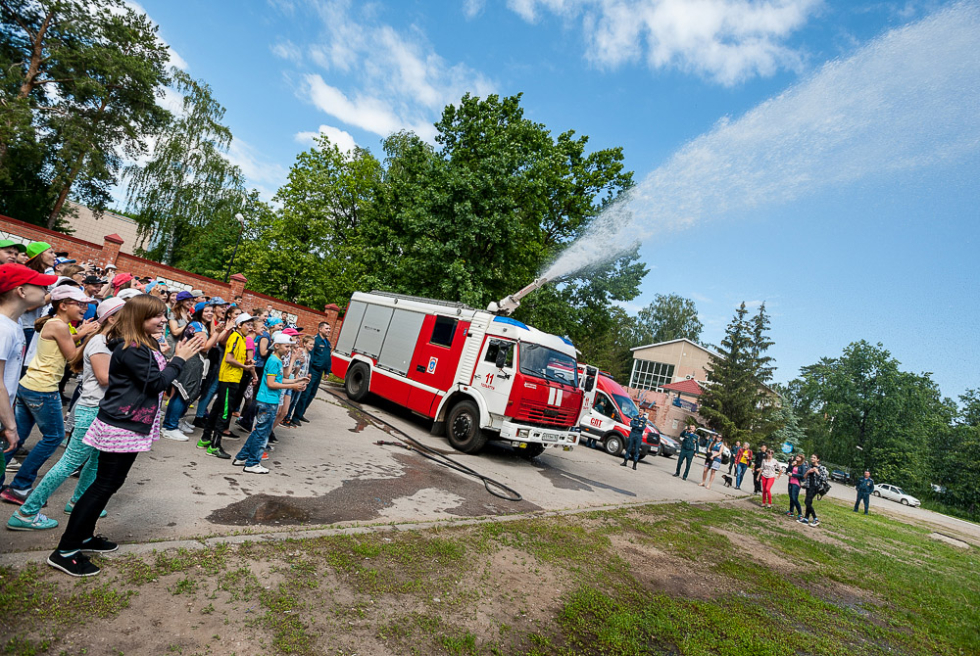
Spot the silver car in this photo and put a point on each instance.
(895, 493)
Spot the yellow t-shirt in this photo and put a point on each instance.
(236, 346)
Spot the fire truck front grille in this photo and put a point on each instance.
(541, 414)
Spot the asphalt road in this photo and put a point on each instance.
(331, 471)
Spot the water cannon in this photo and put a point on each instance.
(508, 304)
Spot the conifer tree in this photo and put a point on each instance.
(737, 403)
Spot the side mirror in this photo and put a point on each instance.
(501, 357)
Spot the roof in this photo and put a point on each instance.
(689, 386)
(674, 341)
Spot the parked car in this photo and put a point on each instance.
(781, 462)
(841, 476)
(894, 493)
(668, 446)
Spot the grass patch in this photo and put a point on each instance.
(536, 587)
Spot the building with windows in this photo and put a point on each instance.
(667, 380)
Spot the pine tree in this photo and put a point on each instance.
(737, 403)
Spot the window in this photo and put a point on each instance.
(496, 345)
(603, 405)
(443, 332)
(649, 375)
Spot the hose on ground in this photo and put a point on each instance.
(509, 493)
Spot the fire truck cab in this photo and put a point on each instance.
(477, 375)
(606, 419)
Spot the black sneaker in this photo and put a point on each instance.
(302, 419)
(200, 422)
(99, 544)
(77, 564)
(272, 438)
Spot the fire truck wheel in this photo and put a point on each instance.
(614, 444)
(532, 451)
(356, 382)
(463, 428)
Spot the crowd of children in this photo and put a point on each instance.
(145, 357)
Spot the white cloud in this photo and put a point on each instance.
(472, 8)
(379, 78)
(288, 50)
(340, 138)
(262, 174)
(727, 41)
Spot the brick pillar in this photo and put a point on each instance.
(110, 249)
(237, 285)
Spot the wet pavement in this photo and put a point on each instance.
(332, 472)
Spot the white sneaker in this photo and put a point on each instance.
(174, 435)
(256, 469)
(184, 427)
(238, 463)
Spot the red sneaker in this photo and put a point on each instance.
(10, 496)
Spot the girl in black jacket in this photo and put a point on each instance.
(127, 424)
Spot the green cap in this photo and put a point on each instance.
(7, 243)
(35, 248)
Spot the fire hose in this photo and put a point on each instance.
(409, 443)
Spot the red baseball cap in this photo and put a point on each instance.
(15, 275)
(121, 279)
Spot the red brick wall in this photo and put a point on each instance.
(108, 252)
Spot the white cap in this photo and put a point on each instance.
(109, 307)
(127, 294)
(65, 292)
(110, 266)
(279, 338)
(242, 318)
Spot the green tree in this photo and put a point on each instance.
(310, 251)
(667, 318)
(79, 91)
(481, 217)
(878, 417)
(738, 403)
(185, 198)
(970, 403)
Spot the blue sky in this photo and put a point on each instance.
(887, 257)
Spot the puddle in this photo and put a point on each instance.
(358, 500)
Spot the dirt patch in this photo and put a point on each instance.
(757, 550)
(660, 572)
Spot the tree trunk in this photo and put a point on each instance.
(63, 194)
(37, 52)
(73, 173)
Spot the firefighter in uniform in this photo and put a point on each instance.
(638, 426)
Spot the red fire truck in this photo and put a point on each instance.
(477, 374)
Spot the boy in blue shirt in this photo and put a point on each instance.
(267, 405)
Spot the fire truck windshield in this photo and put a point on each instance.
(541, 361)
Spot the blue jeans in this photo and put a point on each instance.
(741, 472)
(302, 402)
(265, 418)
(794, 499)
(78, 454)
(633, 447)
(43, 409)
(202, 404)
(175, 410)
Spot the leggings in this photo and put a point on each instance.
(794, 499)
(767, 489)
(109, 477)
(810, 494)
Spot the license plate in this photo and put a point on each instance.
(547, 437)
